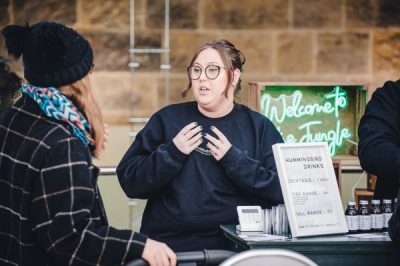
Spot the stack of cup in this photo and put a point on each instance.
(276, 221)
(267, 221)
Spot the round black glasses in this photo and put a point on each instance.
(212, 71)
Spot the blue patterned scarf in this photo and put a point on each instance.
(56, 105)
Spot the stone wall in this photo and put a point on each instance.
(283, 40)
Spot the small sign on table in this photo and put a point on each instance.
(309, 189)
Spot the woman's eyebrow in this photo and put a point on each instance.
(209, 63)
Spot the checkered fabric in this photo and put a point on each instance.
(51, 212)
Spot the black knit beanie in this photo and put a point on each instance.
(53, 54)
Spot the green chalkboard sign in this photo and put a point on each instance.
(314, 113)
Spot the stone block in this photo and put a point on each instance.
(176, 86)
(294, 53)
(4, 15)
(145, 96)
(345, 53)
(32, 11)
(389, 11)
(148, 62)
(148, 39)
(110, 14)
(120, 98)
(362, 13)
(112, 51)
(386, 52)
(251, 14)
(183, 45)
(183, 14)
(113, 90)
(257, 48)
(317, 13)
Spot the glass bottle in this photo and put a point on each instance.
(387, 213)
(364, 217)
(351, 217)
(376, 216)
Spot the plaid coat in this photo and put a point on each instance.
(50, 207)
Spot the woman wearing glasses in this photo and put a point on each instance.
(196, 161)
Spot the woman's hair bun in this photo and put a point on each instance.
(15, 37)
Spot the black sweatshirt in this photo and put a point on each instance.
(379, 139)
(189, 196)
(394, 222)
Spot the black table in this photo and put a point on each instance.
(327, 250)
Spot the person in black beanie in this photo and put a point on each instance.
(50, 207)
(9, 84)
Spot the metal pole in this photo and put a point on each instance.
(166, 67)
(132, 66)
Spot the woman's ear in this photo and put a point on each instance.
(236, 76)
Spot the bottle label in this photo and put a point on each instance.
(376, 221)
(364, 222)
(386, 218)
(352, 222)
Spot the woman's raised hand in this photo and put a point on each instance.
(189, 138)
(218, 146)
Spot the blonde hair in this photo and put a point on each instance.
(84, 97)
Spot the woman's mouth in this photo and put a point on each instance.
(204, 89)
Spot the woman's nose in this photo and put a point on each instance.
(203, 75)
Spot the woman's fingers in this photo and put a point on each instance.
(189, 135)
(187, 128)
(218, 146)
(216, 142)
(219, 134)
(188, 138)
(195, 139)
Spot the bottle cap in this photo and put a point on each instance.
(375, 202)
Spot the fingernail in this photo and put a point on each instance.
(195, 123)
(212, 127)
(200, 127)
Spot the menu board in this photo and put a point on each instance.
(309, 189)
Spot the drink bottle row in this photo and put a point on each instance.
(366, 220)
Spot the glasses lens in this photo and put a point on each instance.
(212, 72)
(194, 72)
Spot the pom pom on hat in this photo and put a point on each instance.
(15, 36)
(53, 54)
